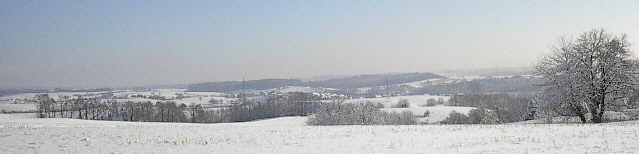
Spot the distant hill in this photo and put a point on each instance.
(339, 83)
(485, 72)
(230, 86)
(4, 92)
(373, 80)
(324, 77)
(82, 90)
(168, 86)
(515, 84)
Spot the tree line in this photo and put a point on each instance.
(292, 104)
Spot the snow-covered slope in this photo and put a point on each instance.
(21, 134)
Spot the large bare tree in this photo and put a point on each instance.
(583, 75)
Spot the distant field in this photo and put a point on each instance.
(17, 107)
(417, 102)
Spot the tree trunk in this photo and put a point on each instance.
(580, 113)
(61, 111)
(596, 118)
(594, 114)
(597, 110)
(582, 117)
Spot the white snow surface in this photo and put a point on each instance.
(21, 133)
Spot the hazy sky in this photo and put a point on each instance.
(120, 43)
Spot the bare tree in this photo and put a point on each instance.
(44, 105)
(583, 75)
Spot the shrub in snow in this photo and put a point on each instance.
(214, 101)
(475, 116)
(455, 117)
(402, 103)
(441, 101)
(482, 116)
(404, 118)
(431, 102)
(426, 114)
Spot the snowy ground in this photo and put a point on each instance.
(21, 134)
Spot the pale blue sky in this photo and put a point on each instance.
(123, 43)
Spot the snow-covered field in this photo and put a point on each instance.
(17, 107)
(20, 133)
(417, 106)
(172, 94)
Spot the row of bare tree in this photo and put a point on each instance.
(292, 104)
